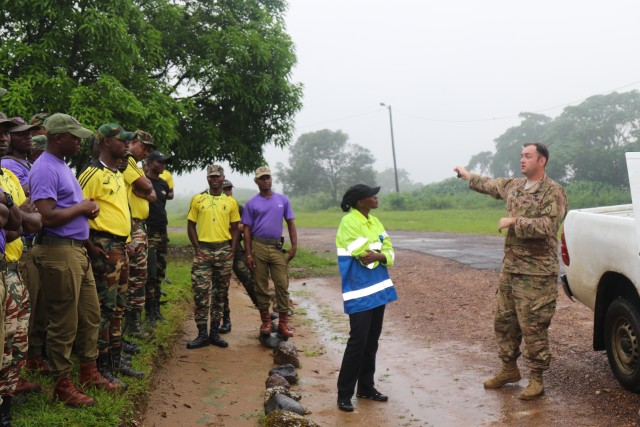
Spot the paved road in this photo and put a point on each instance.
(478, 251)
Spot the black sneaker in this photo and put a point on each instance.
(345, 405)
(372, 394)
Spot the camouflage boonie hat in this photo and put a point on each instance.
(114, 130)
(145, 138)
(262, 171)
(38, 119)
(214, 170)
(64, 123)
(38, 143)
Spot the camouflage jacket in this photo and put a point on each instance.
(531, 246)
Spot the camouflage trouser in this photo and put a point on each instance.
(137, 267)
(210, 275)
(244, 275)
(524, 310)
(16, 323)
(157, 265)
(38, 319)
(111, 290)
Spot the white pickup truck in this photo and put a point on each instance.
(600, 251)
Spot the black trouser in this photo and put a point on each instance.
(359, 360)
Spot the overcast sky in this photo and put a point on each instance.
(457, 73)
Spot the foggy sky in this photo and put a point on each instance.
(456, 73)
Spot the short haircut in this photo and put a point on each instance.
(541, 149)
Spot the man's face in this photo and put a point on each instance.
(118, 148)
(156, 166)
(139, 149)
(264, 182)
(21, 141)
(5, 137)
(215, 181)
(228, 191)
(69, 144)
(531, 162)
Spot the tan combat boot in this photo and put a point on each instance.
(535, 388)
(508, 374)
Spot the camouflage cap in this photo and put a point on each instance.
(226, 183)
(4, 120)
(64, 123)
(145, 138)
(38, 143)
(215, 170)
(22, 125)
(38, 119)
(262, 171)
(3, 92)
(114, 130)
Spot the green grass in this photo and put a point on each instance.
(111, 409)
(311, 263)
(472, 221)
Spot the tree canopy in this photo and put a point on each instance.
(209, 79)
(587, 142)
(324, 161)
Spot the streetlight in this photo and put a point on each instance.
(393, 146)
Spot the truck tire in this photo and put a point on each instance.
(622, 340)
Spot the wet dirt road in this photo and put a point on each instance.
(436, 349)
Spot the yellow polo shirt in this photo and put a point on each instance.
(11, 184)
(108, 189)
(139, 206)
(213, 215)
(166, 175)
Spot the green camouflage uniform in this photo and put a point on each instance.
(157, 262)
(528, 282)
(111, 286)
(210, 275)
(137, 267)
(16, 323)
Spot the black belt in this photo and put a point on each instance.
(60, 241)
(275, 242)
(96, 233)
(214, 245)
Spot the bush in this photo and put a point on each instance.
(589, 194)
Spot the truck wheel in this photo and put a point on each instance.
(622, 339)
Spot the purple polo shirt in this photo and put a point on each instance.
(51, 178)
(265, 214)
(18, 169)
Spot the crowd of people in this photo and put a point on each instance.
(78, 254)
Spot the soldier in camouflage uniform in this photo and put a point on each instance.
(213, 231)
(536, 206)
(108, 233)
(140, 193)
(240, 268)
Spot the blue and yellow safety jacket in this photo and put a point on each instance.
(364, 286)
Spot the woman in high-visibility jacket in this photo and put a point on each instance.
(364, 253)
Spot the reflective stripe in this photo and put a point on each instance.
(393, 255)
(347, 296)
(357, 243)
(343, 252)
(384, 235)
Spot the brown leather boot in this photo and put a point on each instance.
(283, 327)
(37, 363)
(66, 392)
(265, 328)
(25, 386)
(508, 374)
(90, 377)
(535, 388)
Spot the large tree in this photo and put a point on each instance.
(324, 161)
(209, 79)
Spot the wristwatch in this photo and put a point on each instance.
(9, 202)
